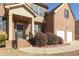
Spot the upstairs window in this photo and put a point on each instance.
(39, 10)
(35, 8)
(66, 13)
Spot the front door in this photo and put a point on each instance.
(19, 28)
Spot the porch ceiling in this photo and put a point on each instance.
(21, 18)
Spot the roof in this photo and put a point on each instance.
(71, 11)
(10, 6)
(44, 5)
(55, 8)
(52, 11)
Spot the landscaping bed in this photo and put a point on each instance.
(47, 40)
(52, 46)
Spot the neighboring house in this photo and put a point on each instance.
(23, 18)
(61, 22)
(77, 29)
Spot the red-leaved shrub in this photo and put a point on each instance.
(53, 39)
(40, 39)
(60, 41)
(50, 38)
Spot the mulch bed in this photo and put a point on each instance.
(51, 46)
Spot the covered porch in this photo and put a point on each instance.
(22, 26)
(21, 20)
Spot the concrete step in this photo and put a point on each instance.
(23, 43)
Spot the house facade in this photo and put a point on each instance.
(21, 19)
(60, 21)
(18, 20)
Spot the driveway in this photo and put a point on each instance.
(74, 45)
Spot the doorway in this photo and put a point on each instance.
(19, 28)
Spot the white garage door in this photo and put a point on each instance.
(69, 36)
(61, 34)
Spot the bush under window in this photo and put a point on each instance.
(3, 37)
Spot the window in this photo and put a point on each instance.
(38, 28)
(35, 8)
(2, 23)
(66, 13)
(39, 10)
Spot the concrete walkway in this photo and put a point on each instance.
(74, 45)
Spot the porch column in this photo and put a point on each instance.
(32, 26)
(9, 42)
(10, 27)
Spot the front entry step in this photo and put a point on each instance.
(23, 43)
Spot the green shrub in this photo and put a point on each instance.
(3, 37)
(40, 39)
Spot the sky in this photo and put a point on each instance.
(74, 6)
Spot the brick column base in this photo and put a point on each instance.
(9, 44)
(20, 44)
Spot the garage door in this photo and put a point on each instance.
(61, 34)
(69, 36)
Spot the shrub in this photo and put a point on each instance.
(32, 41)
(3, 37)
(40, 39)
(50, 38)
(53, 39)
(60, 40)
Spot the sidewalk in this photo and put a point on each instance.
(74, 45)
